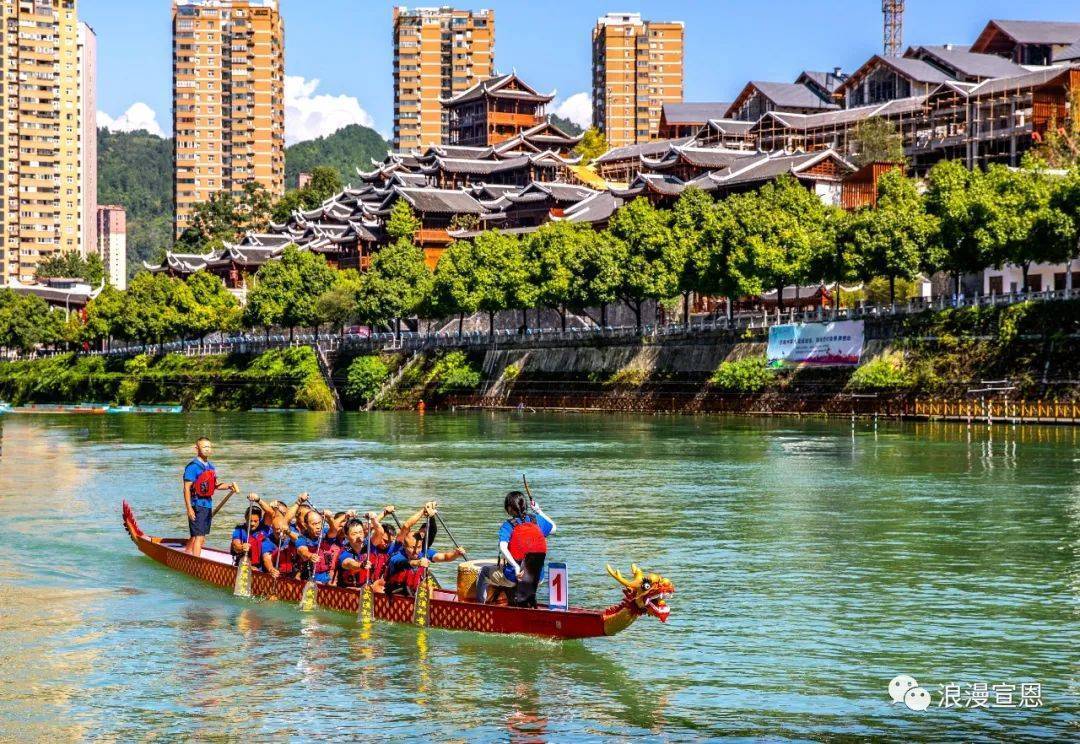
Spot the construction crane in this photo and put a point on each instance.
(894, 26)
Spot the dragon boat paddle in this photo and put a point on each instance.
(311, 589)
(451, 536)
(366, 608)
(224, 501)
(421, 602)
(242, 583)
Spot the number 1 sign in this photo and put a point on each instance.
(557, 587)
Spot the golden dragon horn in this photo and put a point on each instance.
(638, 575)
(615, 574)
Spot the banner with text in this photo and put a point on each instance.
(818, 344)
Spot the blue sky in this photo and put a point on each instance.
(345, 45)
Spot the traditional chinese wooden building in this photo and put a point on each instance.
(493, 111)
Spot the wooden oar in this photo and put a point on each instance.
(311, 589)
(526, 484)
(242, 584)
(223, 502)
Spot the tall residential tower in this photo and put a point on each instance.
(228, 99)
(637, 68)
(41, 133)
(438, 53)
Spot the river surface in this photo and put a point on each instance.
(814, 562)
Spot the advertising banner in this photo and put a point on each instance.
(818, 344)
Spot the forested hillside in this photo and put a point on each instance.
(135, 170)
(346, 149)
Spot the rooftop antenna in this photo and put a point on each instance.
(894, 26)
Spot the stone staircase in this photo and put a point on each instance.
(326, 367)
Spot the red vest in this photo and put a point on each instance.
(205, 485)
(359, 577)
(283, 557)
(409, 577)
(526, 537)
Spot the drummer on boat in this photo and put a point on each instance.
(522, 551)
(200, 485)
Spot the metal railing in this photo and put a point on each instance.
(250, 343)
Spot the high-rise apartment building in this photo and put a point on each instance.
(438, 53)
(111, 231)
(228, 99)
(637, 68)
(88, 152)
(40, 133)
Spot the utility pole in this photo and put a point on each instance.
(894, 27)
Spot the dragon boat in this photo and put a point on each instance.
(643, 594)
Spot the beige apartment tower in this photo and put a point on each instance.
(40, 135)
(228, 99)
(438, 53)
(637, 68)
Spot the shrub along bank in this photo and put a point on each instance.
(281, 378)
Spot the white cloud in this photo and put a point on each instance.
(577, 108)
(308, 115)
(138, 116)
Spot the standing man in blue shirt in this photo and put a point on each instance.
(200, 485)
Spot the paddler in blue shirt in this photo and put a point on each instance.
(200, 485)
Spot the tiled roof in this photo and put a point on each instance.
(1039, 32)
(1071, 54)
(966, 62)
(633, 152)
(441, 201)
(693, 113)
(789, 95)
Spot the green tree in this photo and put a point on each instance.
(72, 266)
(502, 274)
(266, 301)
(24, 321)
(592, 145)
(694, 227)
(551, 254)
(227, 217)
(1066, 199)
(215, 308)
(963, 204)
(337, 306)
(789, 228)
(107, 317)
(891, 240)
(402, 222)
(1027, 226)
(455, 286)
(596, 273)
(724, 259)
(876, 140)
(650, 257)
(1060, 147)
(159, 308)
(395, 285)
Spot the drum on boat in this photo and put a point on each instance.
(467, 574)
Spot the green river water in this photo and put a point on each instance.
(813, 563)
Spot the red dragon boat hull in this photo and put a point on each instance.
(445, 611)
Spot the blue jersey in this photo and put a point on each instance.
(400, 561)
(194, 469)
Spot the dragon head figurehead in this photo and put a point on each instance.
(644, 593)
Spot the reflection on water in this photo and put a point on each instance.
(814, 562)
